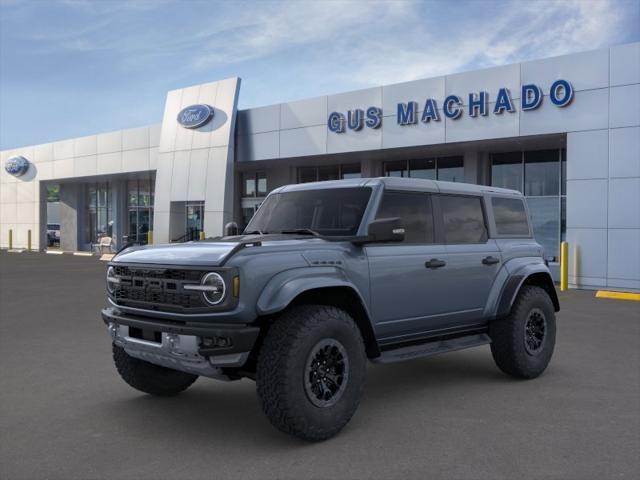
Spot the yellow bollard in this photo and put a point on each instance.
(28, 240)
(202, 237)
(150, 237)
(564, 266)
(10, 239)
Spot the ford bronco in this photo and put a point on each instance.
(325, 277)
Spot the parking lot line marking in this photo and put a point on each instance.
(618, 295)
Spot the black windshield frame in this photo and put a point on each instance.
(331, 212)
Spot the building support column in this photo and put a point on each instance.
(69, 212)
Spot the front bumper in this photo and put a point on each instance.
(194, 347)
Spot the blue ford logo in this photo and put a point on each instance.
(195, 116)
(16, 165)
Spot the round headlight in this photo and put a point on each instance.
(112, 280)
(214, 288)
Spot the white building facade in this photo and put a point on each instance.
(565, 131)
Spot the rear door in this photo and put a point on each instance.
(473, 258)
(407, 295)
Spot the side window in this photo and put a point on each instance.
(414, 209)
(510, 215)
(463, 219)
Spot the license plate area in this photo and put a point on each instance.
(146, 334)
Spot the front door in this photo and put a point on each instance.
(407, 293)
(195, 219)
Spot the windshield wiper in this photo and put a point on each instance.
(254, 232)
(301, 231)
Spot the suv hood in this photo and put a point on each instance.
(210, 253)
(196, 253)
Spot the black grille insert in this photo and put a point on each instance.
(158, 288)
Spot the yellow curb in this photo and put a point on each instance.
(16, 250)
(54, 252)
(618, 295)
(83, 254)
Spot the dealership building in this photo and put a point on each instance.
(565, 131)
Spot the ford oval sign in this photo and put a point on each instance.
(16, 166)
(195, 116)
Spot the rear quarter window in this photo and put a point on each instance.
(510, 216)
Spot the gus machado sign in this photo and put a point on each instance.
(560, 95)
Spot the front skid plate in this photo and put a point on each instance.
(178, 352)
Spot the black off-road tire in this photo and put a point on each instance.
(287, 360)
(513, 354)
(150, 378)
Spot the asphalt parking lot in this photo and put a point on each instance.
(65, 413)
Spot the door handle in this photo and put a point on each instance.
(490, 260)
(435, 263)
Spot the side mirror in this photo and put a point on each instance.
(231, 229)
(386, 230)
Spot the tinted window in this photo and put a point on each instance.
(414, 209)
(451, 169)
(423, 168)
(541, 173)
(507, 171)
(510, 215)
(330, 211)
(463, 219)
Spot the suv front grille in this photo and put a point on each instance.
(157, 288)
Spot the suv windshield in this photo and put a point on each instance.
(329, 212)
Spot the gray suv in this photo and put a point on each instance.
(325, 277)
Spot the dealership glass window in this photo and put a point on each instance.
(423, 168)
(331, 172)
(53, 193)
(254, 184)
(398, 168)
(195, 220)
(507, 171)
(247, 214)
(350, 171)
(307, 174)
(140, 209)
(450, 169)
(99, 212)
(563, 172)
(541, 173)
(328, 172)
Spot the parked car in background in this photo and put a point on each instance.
(53, 234)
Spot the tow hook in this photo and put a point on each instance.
(113, 330)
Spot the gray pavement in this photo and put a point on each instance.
(65, 413)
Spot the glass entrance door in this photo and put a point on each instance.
(195, 220)
(140, 207)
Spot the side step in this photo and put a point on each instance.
(432, 348)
